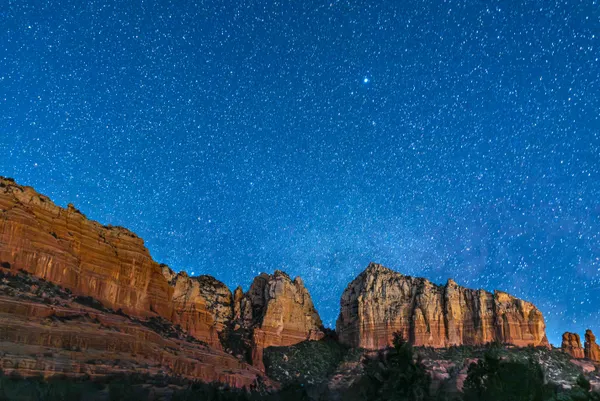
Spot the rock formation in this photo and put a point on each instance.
(200, 304)
(112, 265)
(571, 344)
(107, 263)
(278, 311)
(46, 330)
(380, 302)
(592, 350)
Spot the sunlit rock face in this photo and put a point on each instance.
(380, 302)
(110, 264)
(48, 331)
(592, 350)
(200, 305)
(571, 344)
(279, 311)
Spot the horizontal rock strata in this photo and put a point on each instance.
(113, 266)
(46, 330)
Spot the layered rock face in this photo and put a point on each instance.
(46, 330)
(112, 265)
(279, 311)
(108, 263)
(571, 344)
(592, 350)
(380, 302)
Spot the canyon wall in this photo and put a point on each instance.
(110, 264)
(47, 330)
(380, 302)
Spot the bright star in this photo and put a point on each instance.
(366, 80)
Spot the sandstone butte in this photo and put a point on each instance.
(112, 265)
(279, 310)
(380, 302)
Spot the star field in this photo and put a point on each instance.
(440, 138)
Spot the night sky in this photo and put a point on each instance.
(439, 138)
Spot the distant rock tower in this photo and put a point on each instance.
(592, 351)
(571, 344)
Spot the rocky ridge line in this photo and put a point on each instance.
(113, 266)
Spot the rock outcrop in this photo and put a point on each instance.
(47, 330)
(592, 350)
(571, 344)
(200, 304)
(380, 302)
(112, 266)
(278, 311)
(108, 263)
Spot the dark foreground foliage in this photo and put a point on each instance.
(132, 387)
(397, 376)
(495, 379)
(401, 377)
(309, 362)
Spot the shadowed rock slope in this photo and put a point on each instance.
(380, 302)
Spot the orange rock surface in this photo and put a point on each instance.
(108, 263)
(571, 344)
(592, 350)
(201, 305)
(112, 265)
(46, 330)
(280, 312)
(380, 302)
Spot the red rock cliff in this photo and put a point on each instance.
(200, 304)
(110, 264)
(46, 330)
(380, 302)
(279, 311)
